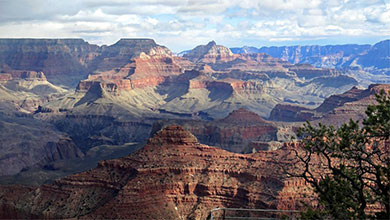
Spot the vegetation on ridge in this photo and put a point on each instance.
(348, 167)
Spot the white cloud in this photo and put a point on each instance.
(291, 5)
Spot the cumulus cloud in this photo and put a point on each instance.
(182, 24)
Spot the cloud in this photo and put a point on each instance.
(182, 24)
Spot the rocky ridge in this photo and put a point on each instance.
(336, 109)
(371, 58)
(172, 177)
(67, 61)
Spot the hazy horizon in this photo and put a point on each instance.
(182, 25)
(239, 46)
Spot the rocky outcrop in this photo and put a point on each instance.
(172, 177)
(355, 108)
(320, 56)
(236, 133)
(26, 90)
(225, 81)
(243, 116)
(210, 53)
(375, 60)
(119, 54)
(335, 101)
(138, 69)
(24, 75)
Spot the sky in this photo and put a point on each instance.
(183, 24)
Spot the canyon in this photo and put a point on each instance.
(99, 96)
(133, 130)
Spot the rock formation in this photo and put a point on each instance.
(236, 133)
(66, 61)
(172, 177)
(335, 110)
(54, 57)
(147, 70)
(26, 90)
(22, 75)
(210, 53)
(223, 81)
(371, 58)
(291, 113)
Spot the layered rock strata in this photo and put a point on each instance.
(172, 177)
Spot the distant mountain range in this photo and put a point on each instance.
(371, 58)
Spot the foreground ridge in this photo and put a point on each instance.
(172, 177)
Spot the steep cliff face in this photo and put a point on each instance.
(51, 56)
(131, 64)
(22, 75)
(172, 177)
(335, 101)
(134, 69)
(355, 107)
(66, 61)
(88, 131)
(377, 58)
